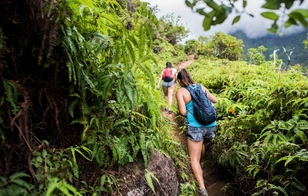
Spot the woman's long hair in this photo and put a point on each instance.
(185, 78)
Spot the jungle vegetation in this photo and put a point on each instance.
(78, 100)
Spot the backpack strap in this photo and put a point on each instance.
(189, 90)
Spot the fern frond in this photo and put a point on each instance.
(11, 93)
(148, 176)
(142, 144)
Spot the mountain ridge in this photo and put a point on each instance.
(293, 42)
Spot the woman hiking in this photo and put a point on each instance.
(195, 132)
(168, 76)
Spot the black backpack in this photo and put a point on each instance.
(203, 109)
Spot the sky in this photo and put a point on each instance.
(253, 27)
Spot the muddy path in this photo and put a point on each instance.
(213, 177)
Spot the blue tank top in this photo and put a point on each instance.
(191, 119)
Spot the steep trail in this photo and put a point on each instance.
(214, 179)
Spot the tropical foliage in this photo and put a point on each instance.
(219, 45)
(78, 101)
(256, 55)
(222, 46)
(172, 30)
(77, 95)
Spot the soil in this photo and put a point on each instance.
(214, 179)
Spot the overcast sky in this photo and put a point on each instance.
(253, 27)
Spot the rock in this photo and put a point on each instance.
(164, 170)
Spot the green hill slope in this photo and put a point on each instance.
(272, 42)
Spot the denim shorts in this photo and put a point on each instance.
(168, 84)
(199, 133)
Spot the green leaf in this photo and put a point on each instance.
(281, 159)
(190, 4)
(256, 172)
(290, 22)
(121, 121)
(289, 159)
(18, 175)
(148, 176)
(270, 15)
(301, 135)
(22, 183)
(207, 22)
(272, 5)
(201, 11)
(244, 3)
(220, 18)
(3, 182)
(274, 28)
(300, 15)
(303, 12)
(52, 185)
(143, 148)
(288, 3)
(296, 183)
(213, 5)
(236, 19)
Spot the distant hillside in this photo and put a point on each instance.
(272, 42)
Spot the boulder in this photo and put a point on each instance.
(164, 171)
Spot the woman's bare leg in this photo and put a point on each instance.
(194, 151)
(165, 90)
(170, 94)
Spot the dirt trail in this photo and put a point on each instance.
(214, 180)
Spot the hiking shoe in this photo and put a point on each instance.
(203, 192)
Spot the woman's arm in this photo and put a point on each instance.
(210, 95)
(181, 102)
(159, 80)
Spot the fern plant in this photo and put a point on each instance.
(16, 185)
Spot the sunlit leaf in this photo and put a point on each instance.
(300, 15)
(148, 176)
(207, 21)
(272, 5)
(270, 15)
(213, 5)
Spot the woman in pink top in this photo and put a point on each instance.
(168, 84)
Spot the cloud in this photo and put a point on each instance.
(253, 27)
